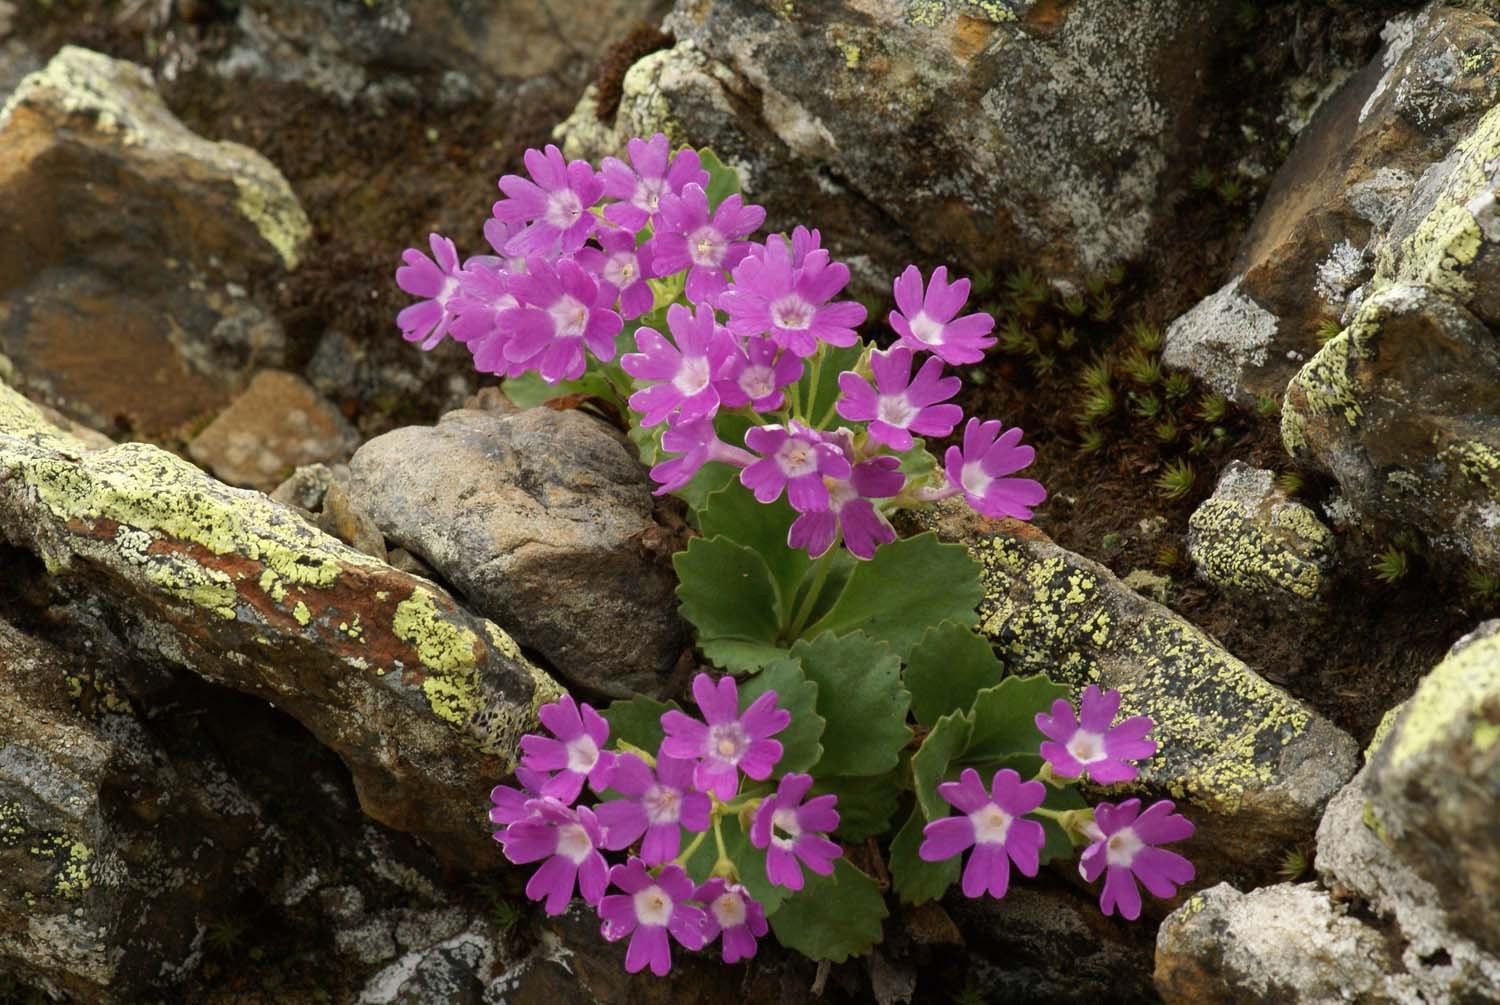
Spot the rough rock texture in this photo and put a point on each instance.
(536, 517)
(278, 423)
(131, 247)
(1033, 132)
(1403, 408)
(1252, 538)
(1251, 765)
(454, 51)
(1279, 944)
(1315, 238)
(423, 701)
(111, 852)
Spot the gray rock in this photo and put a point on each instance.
(350, 524)
(1250, 765)
(304, 487)
(1252, 538)
(1403, 409)
(536, 518)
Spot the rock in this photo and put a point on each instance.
(350, 524)
(422, 701)
(1315, 237)
(131, 245)
(1252, 538)
(114, 854)
(305, 487)
(277, 424)
(1403, 409)
(536, 518)
(1249, 764)
(453, 971)
(1279, 944)
(451, 52)
(1036, 133)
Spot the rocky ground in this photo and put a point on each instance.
(278, 593)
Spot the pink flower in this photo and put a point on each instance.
(660, 803)
(772, 296)
(730, 741)
(897, 405)
(554, 206)
(850, 511)
(429, 319)
(1089, 744)
(688, 238)
(796, 459)
(640, 190)
(508, 804)
(733, 914)
(682, 374)
(926, 322)
(568, 840)
(1124, 847)
(992, 824)
(792, 831)
(622, 267)
(486, 313)
(979, 470)
(756, 374)
(652, 909)
(698, 444)
(564, 311)
(576, 754)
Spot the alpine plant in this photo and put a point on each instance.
(737, 363)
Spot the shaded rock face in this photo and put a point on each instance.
(1403, 408)
(1249, 764)
(1252, 538)
(424, 702)
(1316, 237)
(1034, 132)
(130, 248)
(536, 518)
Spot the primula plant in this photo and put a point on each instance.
(857, 726)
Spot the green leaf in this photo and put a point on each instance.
(740, 656)
(1058, 844)
(930, 764)
(832, 917)
(918, 462)
(530, 390)
(861, 697)
(750, 863)
(906, 588)
(637, 721)
(866, 804)
(727, 593)
(723, 181)
(1005, 718)
(947, 669)
(800, 748)
(915, 880)
(817, 401)
(734, 513)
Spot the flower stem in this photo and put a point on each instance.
(812, 389)
(687, 853)
(814, 591)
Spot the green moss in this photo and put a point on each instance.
(1449, 705)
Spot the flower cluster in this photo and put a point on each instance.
(649, 803)
(1123, 840)
(587, 262)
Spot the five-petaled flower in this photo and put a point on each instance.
(554, 208)
(993, 824)
(981, 470)
(652, 909)
(703, 244)
(1089, 744)
(793, 831)
(730, 741)
(566, 841)
(1124, 848)
(680, 375)
(660, 804)
(576, 754)
(927, 322)
(733, 916)
(437, 283)
(899, 405)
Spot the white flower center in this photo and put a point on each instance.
(974, 480)
(1122, 845)
(692, 376)
(573, 843)
(792, 312)
(663, 805)
(796, 458)
(784, 827)
(757, 381)
(621, 269)
(1086, 748)
(450, 287)
(570, 316)
(583, 754)
(991, 824)
(727, 741)
(563, 208)
(648, 192)
(895, 410)
(653, 907)
(840, 493)
(706, 246)
(926, 330)
(729, 910)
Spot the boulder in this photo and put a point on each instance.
(424, 702)
(1403, 409)
(1250, 537)
(132, 249)
(1330, 205)
(1035, 133)
(537, 518)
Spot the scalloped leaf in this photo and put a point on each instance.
(917, 881)
(723, 180)
(1005, 718)
(862, 700)
(833, 917)
(637, 721)
(728, 595)
(948, 669)
(733, 512)
(929, 766)
(800, 748)
(866, 804)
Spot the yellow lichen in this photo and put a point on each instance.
(74, 875)
(1450, 703)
